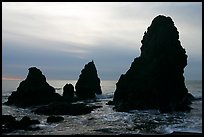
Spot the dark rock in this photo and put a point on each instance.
(54, 119)
(88, 83)
(26, 122)
(91, 118)
(7, 122)
(7, 119)
(34, 90)
(68, 92)
(63, 108)
(95, 107)
(192, 98)
(155, 79)
(10, 124)
(110, 102)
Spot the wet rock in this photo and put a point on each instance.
(7, 119)
(155, 79)
(88, 83)
(94, 106)
(68, 92)
(63, 108)
(10, 124)
(110, 102)
(92, 118)
(34, 90)
(26, 122)
(54, 119)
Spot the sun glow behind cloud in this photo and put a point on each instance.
(82, 23)
(107, 32)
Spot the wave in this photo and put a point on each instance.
(104, 96)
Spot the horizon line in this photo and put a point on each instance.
(20, 78)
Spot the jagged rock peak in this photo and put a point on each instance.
(88, 83)
(155, 78)
(34, 90)
(35, 75)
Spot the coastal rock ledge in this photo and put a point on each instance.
(155, 79)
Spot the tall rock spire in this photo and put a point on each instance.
(155, 79)
(88, 83)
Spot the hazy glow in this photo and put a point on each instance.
(11, 78)
(79, 32)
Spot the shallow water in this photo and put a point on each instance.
(105, 121)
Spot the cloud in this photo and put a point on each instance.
(62, 37)
(68, 24)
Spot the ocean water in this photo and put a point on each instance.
(105, 121)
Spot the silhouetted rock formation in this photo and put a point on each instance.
(54, 119)
(7, 119)
(9, 124)
(155, 79)
(26, 122)
(68, 92)
(34, 90)
(88, 83)
(63, 108)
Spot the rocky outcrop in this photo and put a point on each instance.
(63, 108)
(68, 92)
(88, 83)
(7, 119)
(155, 79)
(9, 124)
(54, 119)
(34, 90)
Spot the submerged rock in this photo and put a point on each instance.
(34, 90)
(88, 83)
(155, 79)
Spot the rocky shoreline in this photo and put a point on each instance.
(154, 81)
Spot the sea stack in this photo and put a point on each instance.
(68, 92)
(155, 79)
(88, 83)
(34, 90)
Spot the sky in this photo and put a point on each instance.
(60, 38)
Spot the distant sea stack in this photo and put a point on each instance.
(155, 79)
(88, 83)
(34, 90)
(68, 92)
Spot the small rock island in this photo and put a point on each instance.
(88, 83)
(155, 79)
(34, 90)
(68, 92)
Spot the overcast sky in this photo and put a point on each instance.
(60, 38)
